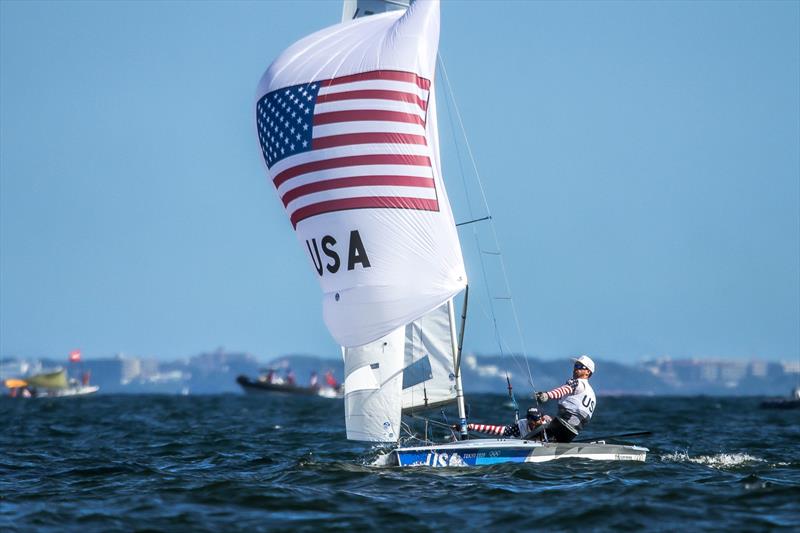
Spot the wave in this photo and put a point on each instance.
(719, 460)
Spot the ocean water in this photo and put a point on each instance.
(224, 463)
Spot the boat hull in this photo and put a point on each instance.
(482, 452)
(68, 392)
(250, 386)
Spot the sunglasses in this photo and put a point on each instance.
(580, 366)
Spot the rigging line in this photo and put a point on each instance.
(449, 97)
(502, 342)
(431, 421)
(488, 211)
(463, 130)
(492, 315)
(456, 145)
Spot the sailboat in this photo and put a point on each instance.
(347, 126)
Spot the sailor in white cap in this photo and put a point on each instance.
(576, 402)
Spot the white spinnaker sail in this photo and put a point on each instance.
(346, 120)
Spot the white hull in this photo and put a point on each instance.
(480, 452)
(64, 393)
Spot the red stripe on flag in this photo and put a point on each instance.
(396, 202)
(366, 114)
(357, 181)
(391, 75)
(351, 161)
(348, 139)
(373, 94)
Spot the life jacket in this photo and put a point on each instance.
(577, 408)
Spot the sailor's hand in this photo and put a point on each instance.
(456, 427)
(541, 397)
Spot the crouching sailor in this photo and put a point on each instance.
(523, 427)
(576, 402)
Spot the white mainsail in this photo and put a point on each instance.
(429, 378)
(346, 120)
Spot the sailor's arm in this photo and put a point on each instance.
(559, 392)
(505, 431)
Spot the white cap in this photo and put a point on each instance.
(586, 361)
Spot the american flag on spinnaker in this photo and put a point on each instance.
(350, 142)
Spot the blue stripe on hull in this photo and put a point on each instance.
(465, 457)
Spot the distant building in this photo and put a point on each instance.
(791, 367)
(105, 372)
(709, 371)
(758, 369)
(13, 368)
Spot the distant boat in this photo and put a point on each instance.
(265, 386)
(48, 385)
(793, 402)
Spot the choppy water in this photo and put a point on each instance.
(233, 462)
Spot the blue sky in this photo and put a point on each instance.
(641, 161)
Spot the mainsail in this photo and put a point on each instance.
(429, 378)
(346, 120)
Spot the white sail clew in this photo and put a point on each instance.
(346, 121)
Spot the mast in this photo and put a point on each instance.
(462, 412)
